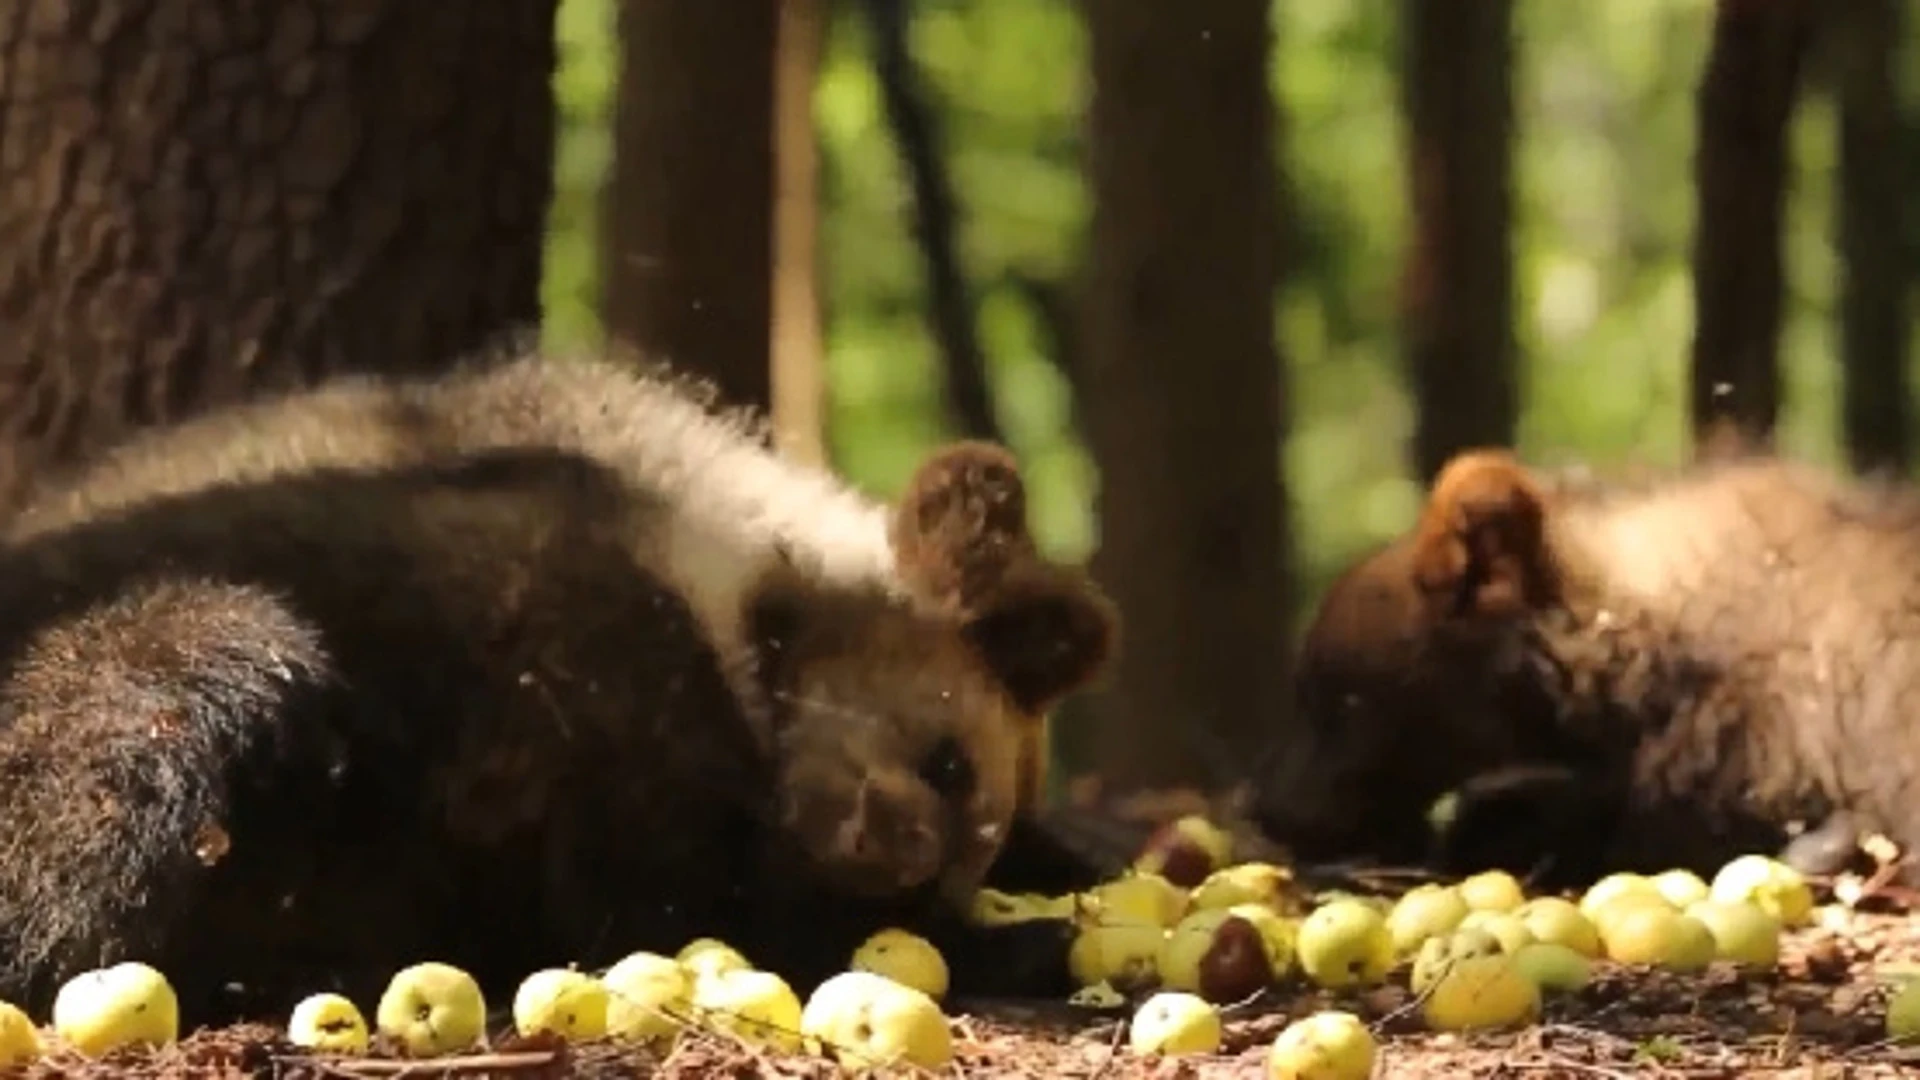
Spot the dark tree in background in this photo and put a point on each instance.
(206, 199)
(1457, 292)
(1183, 391)
(1746, 101)
(1875, 218)
(687, 275)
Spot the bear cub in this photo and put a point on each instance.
(1614, 676)
(536, 663)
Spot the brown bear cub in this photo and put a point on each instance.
(534, 664)
(1620, 676)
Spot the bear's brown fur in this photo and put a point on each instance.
(1658, 674)
(534, 664)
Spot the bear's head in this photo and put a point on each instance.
(911, 722)
(1418, 670)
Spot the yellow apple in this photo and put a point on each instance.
(568, 1003)
(865, 1020)
(1559, 921)
(1553, 966)
(710, 956)
(1506, 927)
(906, 958)
(754, 1006)
(1658, 936)
(1100, 995)
(1616, 885)
(1142, 898)
(1249, 883)
(1743, 934)
(649, 997)
(1185, 851)
(1681, 887)
(1479, 993)
(1778, 889)
(1277, 933)
(1437, 954)
(1124, 954)
(1345, 944)
(1492, 890)
(1424, 911)
(1216, 954)
(992, 907)
(126, 1004)
(1174, 1023)
(328, 1022)
(19, 1040)
(1328, 1045)
(432, 1008)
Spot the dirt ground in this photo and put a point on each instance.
(1818, 1015)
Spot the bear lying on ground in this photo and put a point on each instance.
(538, 663)
(1632, 676)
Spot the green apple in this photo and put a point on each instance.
(1617, 885)
(710, 956)
(1437, 954)
(1506, 927)
(328, 1022)
(1681, 887)
(125, 1004)
(1328, 1045)
(432, 1008)
(1553, 919)
(1344, 944)
(1174, 1023)
(1658, 936)
(1743, 934)
(1478, 993)
(1553, 967)
(1903, 1012)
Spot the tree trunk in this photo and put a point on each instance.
(798, 373)
(208, 199)
(1746, 102)
(1877, 410)
(1185, 396)
(688, 266)
(1457, 293)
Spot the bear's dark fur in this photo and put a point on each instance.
(535, 664)
(1667, 673)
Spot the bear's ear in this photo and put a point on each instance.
(1045, 632)
(1480, 548)
(961, 526)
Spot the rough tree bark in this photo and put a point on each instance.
(1877, 405)
(798, 364)
(1457, 291)
(1746, 102)
(936, 221)
(688, 267)
(207, 199)
(1184, 393)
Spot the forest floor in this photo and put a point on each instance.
(1819, 1014)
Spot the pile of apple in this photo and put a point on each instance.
(882, 1010)
(1193, 930)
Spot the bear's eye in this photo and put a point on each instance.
(947, 769)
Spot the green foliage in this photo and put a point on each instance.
(1605, 208)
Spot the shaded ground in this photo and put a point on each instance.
(1818, 1015)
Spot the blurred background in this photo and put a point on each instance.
(1233, 277)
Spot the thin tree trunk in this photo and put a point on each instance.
(688, 268)
(1746, 103)
(1185, 397)
(210, 199)
(1457, 298)
(1873, 209)
(936, 221)
(798, 373)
